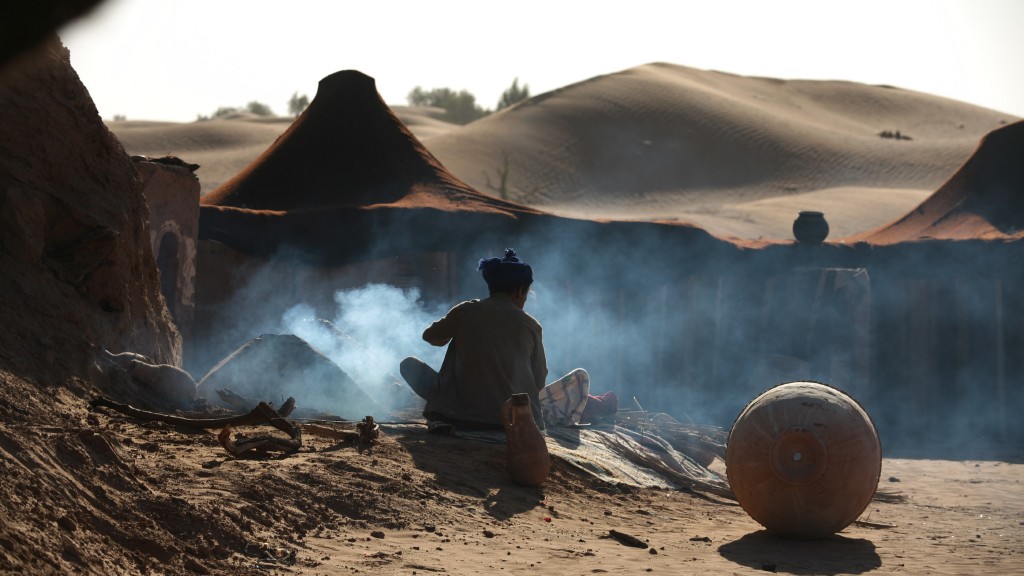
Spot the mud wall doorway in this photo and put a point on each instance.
(167, 264)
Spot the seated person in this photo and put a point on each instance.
(495, 350)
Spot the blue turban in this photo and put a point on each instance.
(504, 274)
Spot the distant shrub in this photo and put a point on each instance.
(895, 135)
(460, 107)
(258, 108)
(296, 104)
(254, 107)
(513, 94)
(224, 111)
(119, 117)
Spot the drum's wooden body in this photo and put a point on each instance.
(803, 459)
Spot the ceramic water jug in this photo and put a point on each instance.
(528, 460)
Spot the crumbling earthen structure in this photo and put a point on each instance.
(77, 274)
(172, 194)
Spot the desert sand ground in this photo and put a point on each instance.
(415, 503)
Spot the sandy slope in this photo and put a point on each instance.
(130, 497)
(223, 147)
(220, 147)
(669, 142)
(984, 199)
(736, 155)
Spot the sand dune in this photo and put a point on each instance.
(343, 174)
(224, 146)
(424, 122)
(669, 142)
(849, 209)
(983, 200)
(221, 147)
(736, 155)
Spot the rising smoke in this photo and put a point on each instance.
(697, 329)
(372, 329)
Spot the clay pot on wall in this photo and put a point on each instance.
(810, 227)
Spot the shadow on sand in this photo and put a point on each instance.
(470, 467)
(833, 555)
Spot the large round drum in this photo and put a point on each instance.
(803, 459)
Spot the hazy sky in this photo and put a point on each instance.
(174, 60)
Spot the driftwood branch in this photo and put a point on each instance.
(261, 414)
(366, 431)
(262, 443)
(331, 433)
